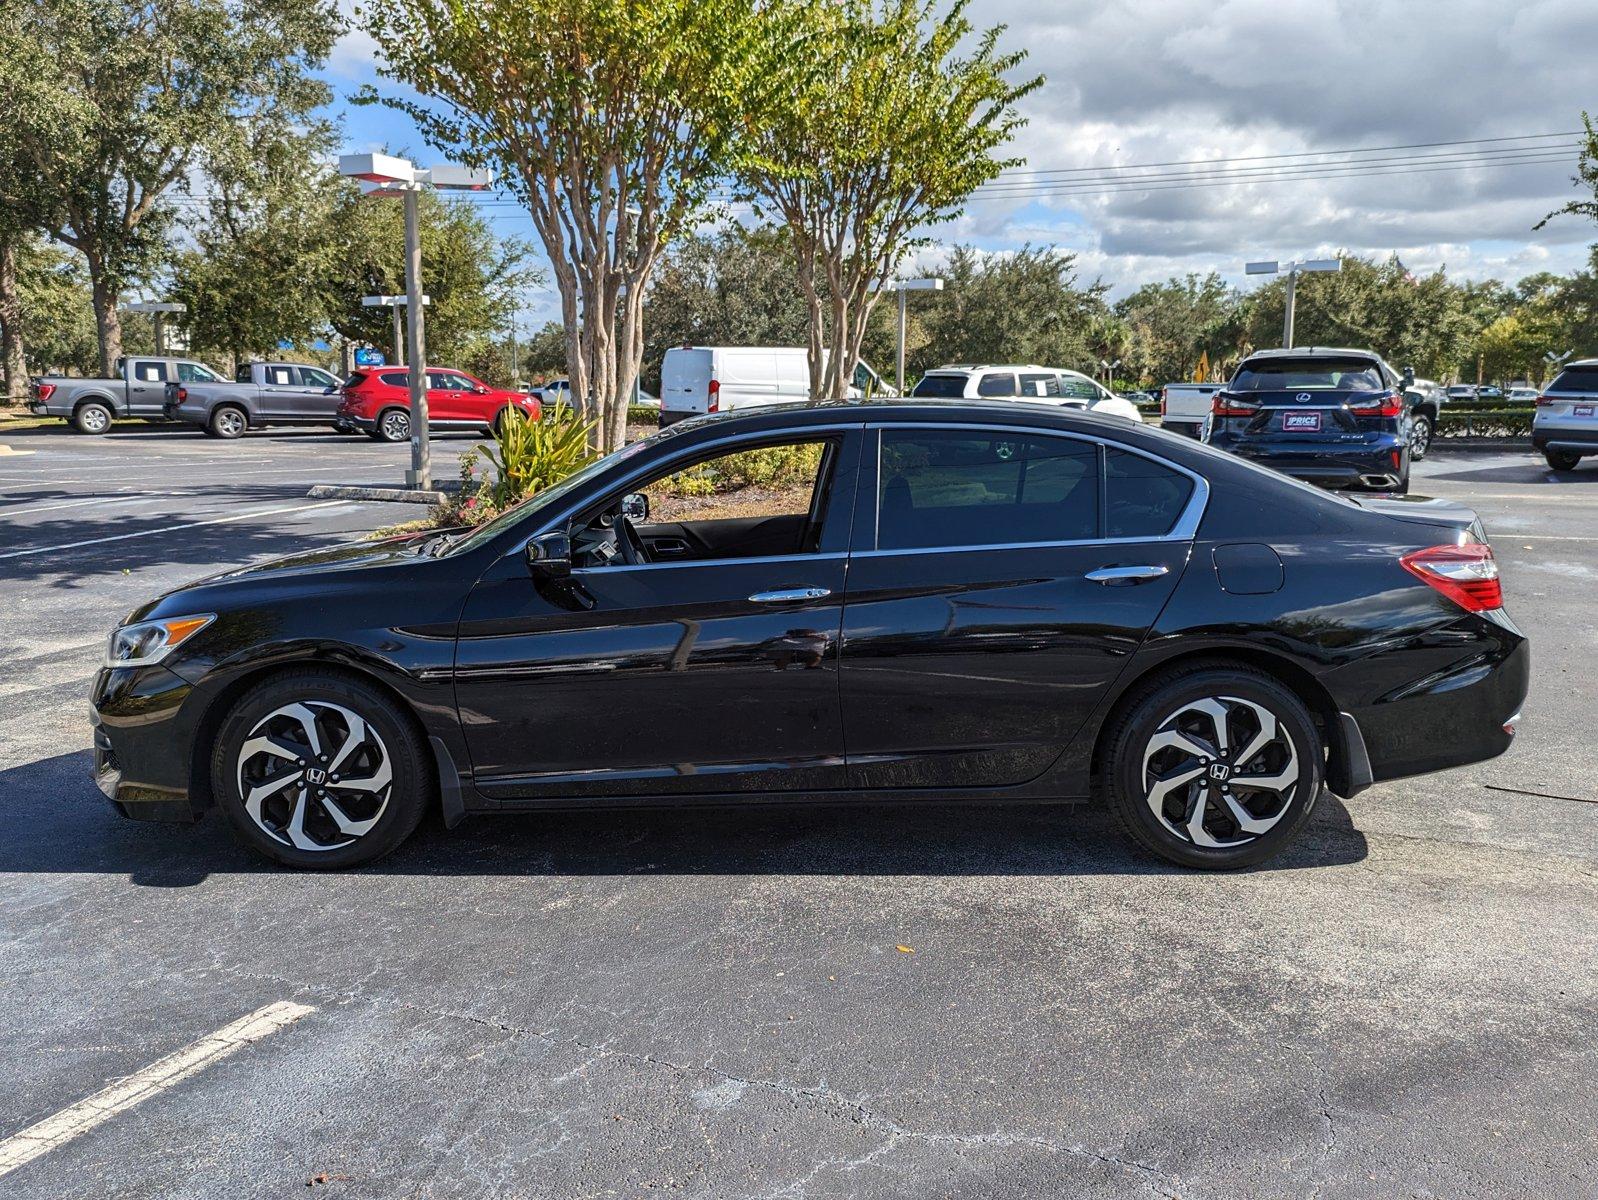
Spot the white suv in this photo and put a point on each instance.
(1566, 425)
(1045, 385)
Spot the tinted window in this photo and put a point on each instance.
(399, 379)
(316, 378)
(196, 373)
(865, 383)
(1141, 497)
(1002, 384)
(940, 387)
(1576, 379)
(149, 372)
(279, 376)
(1040, 385)
(958, 488)
(1309, 374)
(241, 373)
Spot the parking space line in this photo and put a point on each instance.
(76, 1120)
(122, 537)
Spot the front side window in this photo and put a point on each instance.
(864, 381)
(1078, 389)
(443, 381)
(1001, 383)
(196, 373)
(966, 488)
(317, 378)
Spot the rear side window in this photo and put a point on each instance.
(1576, 379)
(399, 379)
(1000, 384)
(1047, 384)
(940, 387)
(963, 488)
(356, 379)
(1142, 498)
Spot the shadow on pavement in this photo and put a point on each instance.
(57, 823)
(1532, 471)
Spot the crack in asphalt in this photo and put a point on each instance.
(834, 1103)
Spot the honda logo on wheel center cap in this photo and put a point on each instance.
(316, 775)
(1219, 771)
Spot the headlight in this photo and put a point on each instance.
(147, 642)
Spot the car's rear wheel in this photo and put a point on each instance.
(227, 421)
(320, 770)
(1214, 767)
(91, 418)
(1560, 460)
(1420, 436)
(394, 425)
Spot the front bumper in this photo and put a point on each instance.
(143, 722)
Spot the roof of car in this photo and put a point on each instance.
(1316, 352)
(1581, 362)
(951, 367)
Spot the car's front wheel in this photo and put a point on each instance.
(1559, 460)
(320, 770)
(1214, 767)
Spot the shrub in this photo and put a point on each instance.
(771, 467)
(525, 458)
(1489, 422)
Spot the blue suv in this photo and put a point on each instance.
(1338, 418)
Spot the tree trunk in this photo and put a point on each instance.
(11, 359)
(107, 322)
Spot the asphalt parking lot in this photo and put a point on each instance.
(867, 1002)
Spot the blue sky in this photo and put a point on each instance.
(1177, 81)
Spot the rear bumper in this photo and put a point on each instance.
(1379, 463)
(1572, 440)
(1186, 428)
(671, 417)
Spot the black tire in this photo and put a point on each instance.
(1420, 436)
(1162, 706)
(92, 417)
(227, 421)
(1403, 484)
(389, 737)
(1562, 460)
(393, 425)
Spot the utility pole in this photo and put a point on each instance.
(933, 284)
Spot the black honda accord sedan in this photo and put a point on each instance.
(931, 602)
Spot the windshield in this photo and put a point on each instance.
(940, 387)
(1310, 374)
(528, 508)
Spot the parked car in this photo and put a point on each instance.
(1185, 407)
(261, 394)
(1425, 398)
(557, 393)
(1565, 427)
(701, 379)
(1049, 385)
(1488, 392)
(1041, 605)
(1462, 391)
(378, 403)
(1522, 395)
(1333, 417)
(138, 390)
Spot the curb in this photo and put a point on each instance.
(1479, 446)
(388, 495)
(6, 451)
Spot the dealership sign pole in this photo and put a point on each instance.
(386, 175)
(1291, 270)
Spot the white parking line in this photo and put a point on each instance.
(57, 1130)
(122, 537)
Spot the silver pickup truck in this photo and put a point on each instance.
(139, 390)
(262, 394)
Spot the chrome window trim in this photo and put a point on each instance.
(831, 556)
(1184, 530)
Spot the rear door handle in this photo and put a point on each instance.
(1122, 575)
(790, 595)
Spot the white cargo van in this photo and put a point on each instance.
(701, 379)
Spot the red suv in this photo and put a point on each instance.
(377, 401)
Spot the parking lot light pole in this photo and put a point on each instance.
(1291, 270)
(396, 303)
(159, 310)
(1109, 371)
(386, 175)
(933, 284)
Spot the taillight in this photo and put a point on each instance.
(1390, 405)
(1544, 401)
(1467, 575)
(183, 394)
(714, 391)
(1225, 405)
(46, 390)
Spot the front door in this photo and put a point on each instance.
(701, 658)
(319, 395)
(999, 584)
(446, 397)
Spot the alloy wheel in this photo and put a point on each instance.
(314, 775)
(396, 426)
(94, 419)
(1220, 771)
(230, 422)
(1420, 437)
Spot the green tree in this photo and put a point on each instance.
(148, 91)
(1586, 177)
(1175, 323)
(610, 120)
(886, 129)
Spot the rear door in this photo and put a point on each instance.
(747, 376)
(147, 379)
(278, 395)
(685, 380)
(999, 581)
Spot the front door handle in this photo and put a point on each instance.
(790, 595)
(1123, 575)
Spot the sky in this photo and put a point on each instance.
(1131, 84)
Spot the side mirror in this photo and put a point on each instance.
(635, 507)
(1409, 376)
(549, 556)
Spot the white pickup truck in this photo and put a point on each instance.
(1185, 407)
